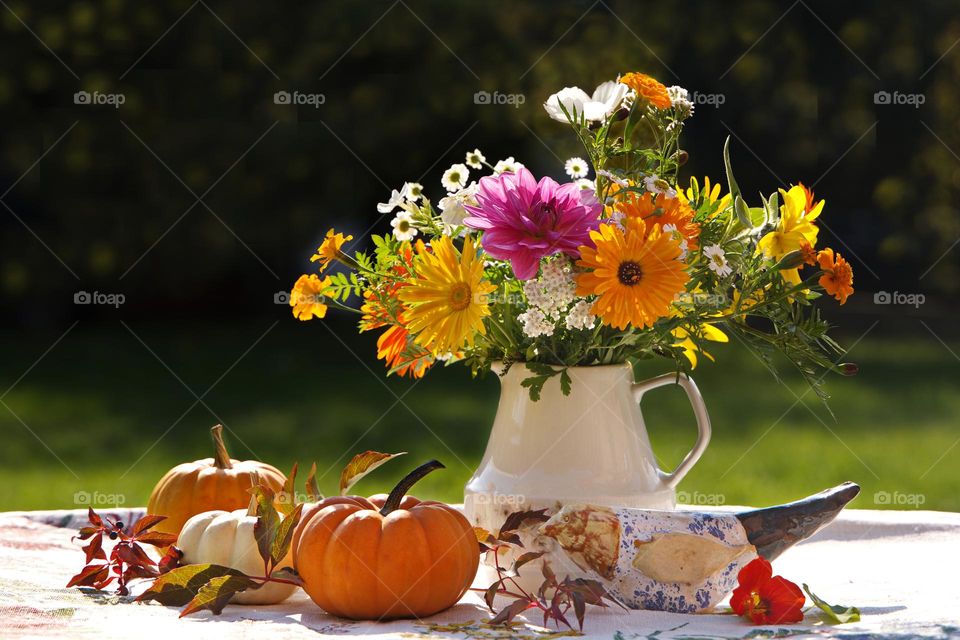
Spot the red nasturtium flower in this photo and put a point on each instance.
(765, 598)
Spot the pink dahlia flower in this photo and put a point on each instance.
(523, 221)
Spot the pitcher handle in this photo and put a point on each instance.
(673, 478)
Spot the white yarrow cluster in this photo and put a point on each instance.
(550, 296)
(580, 316)
(535, 323)
(680, 100)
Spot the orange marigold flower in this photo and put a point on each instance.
(837, 278)
(656, 208)
(330, 248)
(647, 89)
(808, 253)
(307, 297)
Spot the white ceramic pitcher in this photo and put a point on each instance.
(588, 447)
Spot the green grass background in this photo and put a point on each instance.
(101, 401)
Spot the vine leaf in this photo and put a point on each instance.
(287, 498)
(284, 535)
(179, 586)
(217, 592)
(361, 465)
(313, 488)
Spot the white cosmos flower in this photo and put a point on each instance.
(717, 260)
(403, 229)
(396, 199)
(413, 190)
(455, 177)
(451, 207)
(475, 159)
(655, 184)
(612, 177)
(507, 166)
(606, 99)
(576, 168)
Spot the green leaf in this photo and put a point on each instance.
(731, 181)
(287, 499)
(361, 465)
(268, 520)
(312, 486)
(284, 535)
(565, 382)
(216, 593)
(835, 613)
(179, 586)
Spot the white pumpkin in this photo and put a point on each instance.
(226, 538)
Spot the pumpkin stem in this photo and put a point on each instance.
(393, 500)
(222, 459)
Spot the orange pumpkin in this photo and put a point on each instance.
(385, 557)
(211, 484)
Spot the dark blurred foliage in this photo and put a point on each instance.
(399, 79)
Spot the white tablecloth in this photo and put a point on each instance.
(901, 568)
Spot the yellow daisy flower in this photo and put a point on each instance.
(634, 271)
(795, 227)
(329, 250)
(447, 297)
(307, 297)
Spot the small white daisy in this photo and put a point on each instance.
(396, 199)
(455, 178)
(655, 184)
(475, 159)
(412, 190)
(717, 260)
(507, 166)
(576, 168)
(676, 235)
(403, 229)
(586, 184)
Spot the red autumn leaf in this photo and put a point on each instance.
(86, 532)
(89, 575)
(134, 571)
(133, 554)
(765, 598)
(146, 522)
(94, 519)
(170, 560)
(157, 538)
(94, 550)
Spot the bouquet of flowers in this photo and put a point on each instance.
(622, 266)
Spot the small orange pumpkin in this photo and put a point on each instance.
(211, 484)
(385, 557)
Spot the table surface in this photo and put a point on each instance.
(899, 567)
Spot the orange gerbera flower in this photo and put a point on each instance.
(656, 208)
(647, 89)
(634, 272)
(837, 278)
(330, 248)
